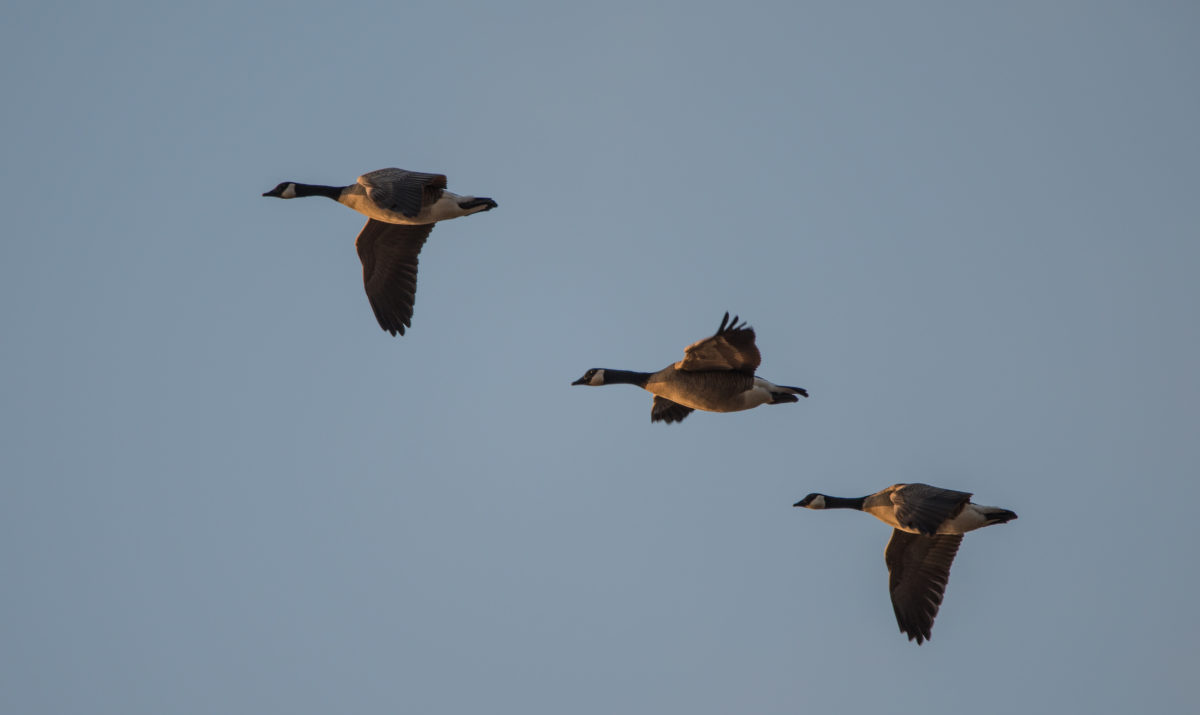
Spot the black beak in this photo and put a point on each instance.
(799, 503)
(580, 381)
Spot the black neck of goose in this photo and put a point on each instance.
(844, 502)
(332, 192)
(626, 377)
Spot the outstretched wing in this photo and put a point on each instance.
(667, 411)
(924, 508)
(730, 348)
(918, 569)
(402, 191)
(388, 252)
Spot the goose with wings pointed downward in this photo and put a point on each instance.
(401, 208)
(716, 374)
(928, 524)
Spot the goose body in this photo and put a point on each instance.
(401, 208)
(928, 524)
(715, 375)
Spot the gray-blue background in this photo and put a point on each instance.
(970, 229)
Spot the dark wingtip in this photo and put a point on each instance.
(724, 322)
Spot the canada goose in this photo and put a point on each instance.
(716, 374)
(928, 524)
(401, 208)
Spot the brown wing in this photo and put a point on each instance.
(918, 569)
(389, 256)
(665, 410)
(730, 348)
(924, 508)
(402, 191)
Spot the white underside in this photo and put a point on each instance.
(760, 394)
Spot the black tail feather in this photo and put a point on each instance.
(1001, 516)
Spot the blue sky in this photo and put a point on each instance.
(970, 230)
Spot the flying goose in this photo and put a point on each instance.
(928, 524)
(401, 208)
(716, 374)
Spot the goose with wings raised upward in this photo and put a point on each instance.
(401, 208)
(928, 524)
(716, 374)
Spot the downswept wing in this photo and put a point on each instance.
(730, 348)
(924, 508)
(402, 191)
(388, 252)
(665, 410)
(918, 569)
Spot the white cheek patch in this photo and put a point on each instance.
(289, 192)
(598, 378)
(818, 503)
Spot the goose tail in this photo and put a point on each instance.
(792, 391)
(996, 515)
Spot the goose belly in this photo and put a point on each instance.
(711, 392)
(969, 519)
(360, 203)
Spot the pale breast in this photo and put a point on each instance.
(885, 513)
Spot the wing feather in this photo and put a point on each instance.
(389, 253)
(918, 569)
(665, 410)
(924, 508)
(402, 191)
(730, 348)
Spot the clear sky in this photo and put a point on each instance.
(969, 229)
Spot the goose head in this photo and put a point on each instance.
(286, 190)
(595, 376)
(812, 501)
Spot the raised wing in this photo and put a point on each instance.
(918, 569)
(402, 191)
(924, 508)
(667, 411)
(388, 252)
(730, 348)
